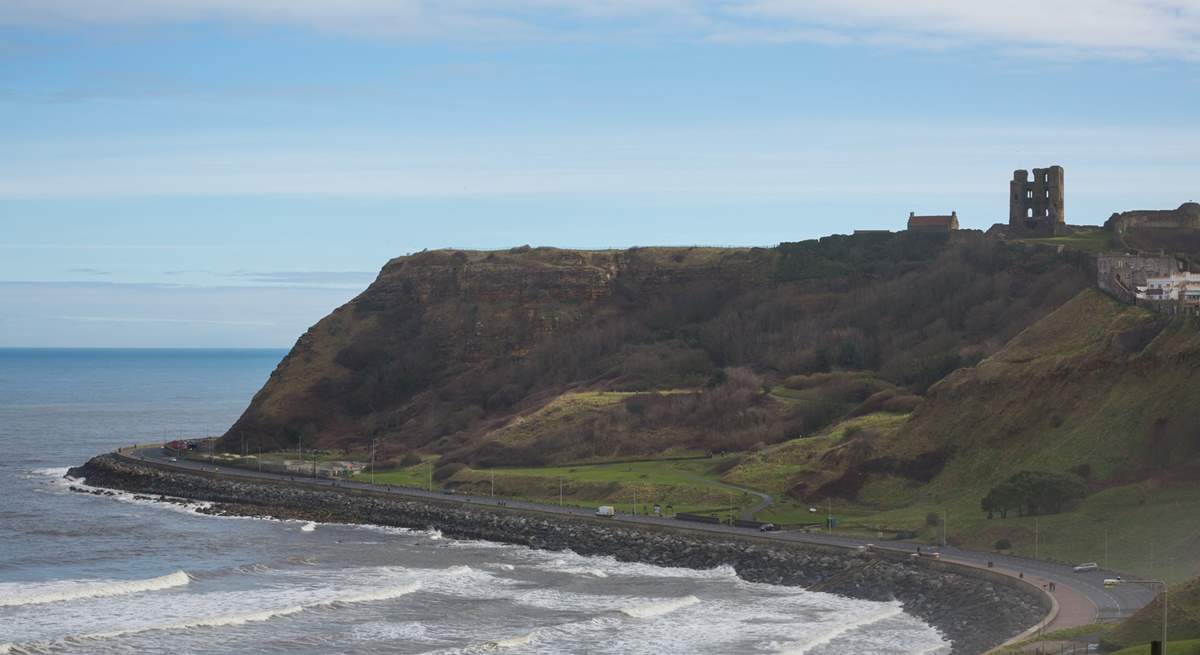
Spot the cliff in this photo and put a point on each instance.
(447, 348)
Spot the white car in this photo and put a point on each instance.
(1086, 567)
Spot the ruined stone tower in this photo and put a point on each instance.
(1035, 209)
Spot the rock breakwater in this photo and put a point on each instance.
(973, 613)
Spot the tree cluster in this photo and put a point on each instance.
(1033, 492)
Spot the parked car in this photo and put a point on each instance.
(606, 510)
(768, 527)
(1086, 567)
(448, 491)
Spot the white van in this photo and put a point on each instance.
(606, 510)
(1086, 567)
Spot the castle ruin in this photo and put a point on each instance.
(1035, 208)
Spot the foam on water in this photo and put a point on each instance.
(659, 607)
(205, 622)
(228, 620)
(605, 566)
(840, 628)
(512, 642)
(16, 595)
(309, 527)
(181, 505)
(383, 594)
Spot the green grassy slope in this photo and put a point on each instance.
(1183, 619)
(1096, 388)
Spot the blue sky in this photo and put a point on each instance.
(224, 173)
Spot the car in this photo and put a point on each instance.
(174, 459)
(607, 511)
(1112, 582)
(448, 491)
(768, 527)
(1086, 567)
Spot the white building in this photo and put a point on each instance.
(1178, 286)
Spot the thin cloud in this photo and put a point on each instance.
(156, 319)
(1079, 28)
(105, 246)
(308, 277)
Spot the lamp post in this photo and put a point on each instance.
(372, 461)
(1164, 595)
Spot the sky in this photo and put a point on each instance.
(222, 173)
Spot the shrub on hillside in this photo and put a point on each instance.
(447, 471)
(728, 464)
(1033, 492)
(410, 459)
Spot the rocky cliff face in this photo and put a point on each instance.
(437, 315)
(446, 347)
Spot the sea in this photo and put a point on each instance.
(81, 573)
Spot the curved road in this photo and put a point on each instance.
(1072, 587)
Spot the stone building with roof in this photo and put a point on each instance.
(932, 223)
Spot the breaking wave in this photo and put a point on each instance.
(97, 589)
(659, 608)
(372, 596)
(888, 611)
(225, 620)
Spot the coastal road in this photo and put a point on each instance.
(1082, 597)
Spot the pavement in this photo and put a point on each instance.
(1082, 597)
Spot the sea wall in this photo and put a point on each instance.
(974, 612)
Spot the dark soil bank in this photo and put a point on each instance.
(974, 614)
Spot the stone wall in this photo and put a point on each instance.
(1119, 275)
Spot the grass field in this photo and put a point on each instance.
(1094, 241)
(412, 476)
(686, 486)
(1189, 647)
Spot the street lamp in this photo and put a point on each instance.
(1164, 596)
